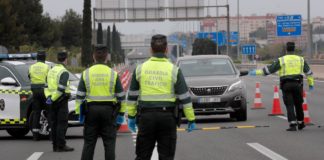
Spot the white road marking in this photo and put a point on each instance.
(35, 156)
(155, 155)
(266, 151)
(282, 117)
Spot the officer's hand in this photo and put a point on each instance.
(132, 124)
(252, 72)
(49, 101)
(191, 126)
(311, 88)
(120, 119)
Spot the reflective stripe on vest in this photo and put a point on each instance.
(38, 73)
(94, 78)
(291, 65)
(157, 77)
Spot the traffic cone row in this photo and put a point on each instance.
(307, 119)
(257, 100)
(276, 108)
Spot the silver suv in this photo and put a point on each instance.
(215, 85)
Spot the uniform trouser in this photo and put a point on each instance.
(157, 127)
(99, 121)
(59, 122)
(38, 104)
(293, 99)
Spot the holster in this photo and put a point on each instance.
(178, 110)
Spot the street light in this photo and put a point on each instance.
(238, 29)
(309, 36)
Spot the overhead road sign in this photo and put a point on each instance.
(109, 10)
(289, 25)
(249, 49)
(220, 37)
(145, 10)
(186, 9)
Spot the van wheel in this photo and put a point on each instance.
(18, 132)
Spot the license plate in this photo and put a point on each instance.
(208, 99)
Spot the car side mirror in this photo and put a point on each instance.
(244, 73)
(9, 81)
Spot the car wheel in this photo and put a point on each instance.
(241, 114)
(18, 132)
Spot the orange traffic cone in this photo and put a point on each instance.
(124, 127)
(257, 99)
(276, 109)
(307, 119)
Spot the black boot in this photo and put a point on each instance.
(65, 149)
(292, 127)
(54, 148)
(301, 126)
(36, 136)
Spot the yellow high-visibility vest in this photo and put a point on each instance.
(38, 73)
(156, 78)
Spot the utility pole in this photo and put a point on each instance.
(228, 30)
(309, 36)
(238, 29)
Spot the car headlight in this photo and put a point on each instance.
(235, 86)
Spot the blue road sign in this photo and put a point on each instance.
(249, 49)
(289, 25)
(217, 37)
(234, 38)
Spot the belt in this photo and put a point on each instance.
(101, 103)
(158, 109)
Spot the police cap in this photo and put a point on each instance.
(290, 46)
(61, 56)
(100, 48)
(41, 55)
(159, 43)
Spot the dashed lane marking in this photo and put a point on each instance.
(35, 156)
(266, 151)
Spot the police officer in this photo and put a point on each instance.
(57, 94)
(37, 75)
(156, 84)
(291, 68)
(105, 104)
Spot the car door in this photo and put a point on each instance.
(9, 97)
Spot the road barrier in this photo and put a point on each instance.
(307, 119)
(257, 100)
(276, 108)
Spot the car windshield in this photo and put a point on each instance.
(23, 72)
(206, 67)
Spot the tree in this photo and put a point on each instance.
(9, 28)
(99, 34)
(114, 45)
(52, 32)
(203, 47)
(72, 29)
(108, 39)
(86, 34)
(260, 33)
(319, 30)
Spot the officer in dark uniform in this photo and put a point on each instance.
(105, 105)
(58, 93)
(155, 88)
(37, 75)
(291, 68)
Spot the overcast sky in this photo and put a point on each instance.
(56, 8)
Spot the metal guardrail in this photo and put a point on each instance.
(317, 62)
(246, 66)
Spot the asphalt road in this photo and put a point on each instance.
(271, 142)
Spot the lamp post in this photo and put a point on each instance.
(309, 36)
